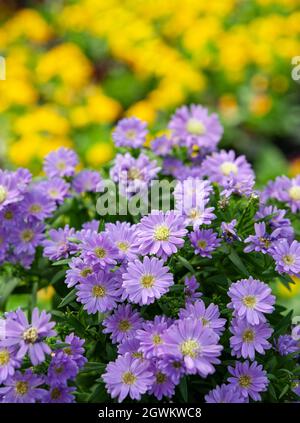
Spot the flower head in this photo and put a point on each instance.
(287, 256)
(227, 394)
(204, 241)
(23, 388)
(130, 132)
(123, 323)
(60, 163)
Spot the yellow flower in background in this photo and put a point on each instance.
(99, 154)
(292, 292)
(295, 167)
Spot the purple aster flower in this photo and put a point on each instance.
(193, 126)
(86, 181)
(78, 272)
(247, 338)
(92, 225)
(146, 280)
(150, 337)
(57, 189)
(123, 236)
(131, 346)
(59, 246)
(123, 323)
(276, 220)
(249, 379)
(161, 233)
(209, 317)
(75, 349)
(130, 132)
(296, 333)
(232, 173)
(23, 178)
(251, 299)
(197, 345)
(285, 190)
(287, 345)
(133, 174)
(162, 145)
(4, 245)
(61, 368)
(190, 290)
(172, 166)
(98, 293)
(127, 376)
(29, 337)
(60, 163)
(8, 362)
(296, 387)
(36, 205)
(23, 388)
(27, 236)
(287, 256)
(162, 385)
(229, 232)
(173, 367)
(98, 249)
(227, 394)
(9, 190)
(261, 241)
(205, 241)
(60, 394)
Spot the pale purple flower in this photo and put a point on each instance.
(197, 345)
(204, 241)
(98, 249)
(37, 206)
(150, 337)
(23, 388)
(29, 337)
(131, 345)
(147, 280)
(130, 132)
(287, 256)
(60, 395)
(162, 145)
(251, 299)
(59, 245)
(248, 339)
(78, 272)
(193, 126)
(161, 233)
(173, 367)
(229, 232)
(123, 323)
(262, 241)
(249, 379)
(60, 163)
(287, 345)
(86, 181)
(9, 190)
(209, 317)
(190, 290)
(56, 189)
(98, 293)
(123, 236)
(227, 394)
(27, 236)
(276, 220)
(61, 368)
(127, 376)
(285, 190)
(8, 362)
(163, 385)
(75, 349)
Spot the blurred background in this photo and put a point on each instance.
(74, 67)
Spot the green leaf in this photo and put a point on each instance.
(284, 391)
(61, 262)
(183, 389)
(186, 264)
(286, 280)
(236, 260)
(93, 367)
(7, 287)
(68, 299)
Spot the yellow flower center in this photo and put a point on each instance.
(294, 193)
(147, 281)
(194, 214)
(204, 321)
(123, 246)
(177, 364)
(55, 393)
(61, 165)
(190, 348)
(248, 335)
(265, 241)
(195, 127)
(35, 208)
(245, 381)
(98, 291)
(100, 252)
(3, 194)
(161, 233)
(53, 193)
(85, 272)
(289, 259)
(27, 235)
(131, 134)
(59, 370)
(30, 335)
(228, 167)
(4, 357)
(249, 301)
(202, 244)
(8, 215)
(137, 355)
(68, 350)
(134, 173)
(128, 378)
(124, 325)
(21, 388)
(160, 378)
(156, 340)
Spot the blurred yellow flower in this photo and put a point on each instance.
(99, 153)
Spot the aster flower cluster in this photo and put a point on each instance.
(175, 304)
(53, 365)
